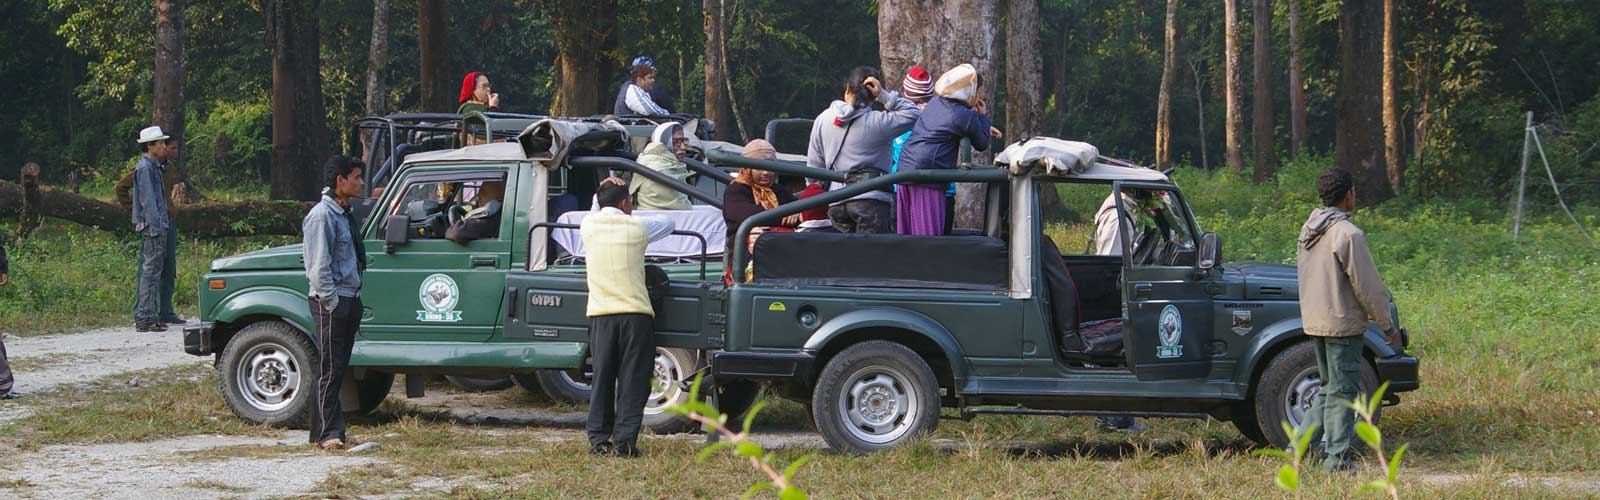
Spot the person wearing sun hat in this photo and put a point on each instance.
(957, 113)
(153, 221)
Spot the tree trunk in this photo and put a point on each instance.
(716, 105)
(1025, 83)
(204, 220)
(300, 140)
(1200, 114)
(1358, 146)
(1266, 158)
(377, 57)
(1392, 135)
(1169, 73)
(1234, 85)
(1297, 87)
(433, 45)
(584, 40)
(167, 108)
(940, 35)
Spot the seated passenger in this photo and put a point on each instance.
(634, 97)
(751, 193)
(815, 219)
(482, 222)
(664, 154)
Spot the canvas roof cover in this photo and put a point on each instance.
(1049, 156)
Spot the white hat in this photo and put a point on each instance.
(152, 134)
(960, 83)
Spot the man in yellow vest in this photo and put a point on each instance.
(621, 319)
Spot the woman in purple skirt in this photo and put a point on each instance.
(956, 113)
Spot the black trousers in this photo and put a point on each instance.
(336, 336)
(624, 350)
(863, 216)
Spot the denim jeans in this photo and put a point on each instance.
(152, 260)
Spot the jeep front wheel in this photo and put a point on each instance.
(1287, 391)
(873, 396)
(268, 374)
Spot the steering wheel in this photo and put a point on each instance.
(455, 213)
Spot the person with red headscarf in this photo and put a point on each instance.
(476, 95)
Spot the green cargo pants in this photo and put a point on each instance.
(1339, 366)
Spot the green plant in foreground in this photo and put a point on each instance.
(1369, 433)
(1288, 476)
(715, 421)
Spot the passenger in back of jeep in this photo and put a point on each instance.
(751, 193)
(664, 154)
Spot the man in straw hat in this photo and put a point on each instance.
(153, 221)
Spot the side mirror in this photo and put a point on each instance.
(396, 231)
(1210, 251)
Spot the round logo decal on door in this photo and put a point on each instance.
(1170, 329)
(439, 296)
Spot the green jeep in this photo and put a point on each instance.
(875, 334)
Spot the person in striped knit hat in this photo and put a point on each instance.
(958, 113)
(918, 87)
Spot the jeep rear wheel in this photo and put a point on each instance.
(268, 374)
(472, 384)
(671, 368)
(1287, 391)
(371, 389)
(873, 396)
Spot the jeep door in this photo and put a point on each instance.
(431, 288)
(1167, 320)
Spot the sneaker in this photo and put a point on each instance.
(150, 327)
(602, 449)
(627, 450)
(10, 394)
(174, 320)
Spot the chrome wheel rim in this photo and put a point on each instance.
(879, 405)
(1301, 396)
(664, 388)
(269, 377)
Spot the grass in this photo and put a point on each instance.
(70, 278)
(216, 486)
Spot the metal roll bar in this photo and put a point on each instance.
(620, 163)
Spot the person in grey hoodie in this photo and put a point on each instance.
(1340, 290)
(852, 136)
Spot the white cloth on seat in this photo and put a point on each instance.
(703, 219)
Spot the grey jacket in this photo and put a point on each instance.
(150, 215)
(870, 134)
(330, 253)
(1339, 284)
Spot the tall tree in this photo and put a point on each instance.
(1169, 74)
(377, 102)
(167, 111)
(1392, 134)
(717, 104)
(433, 47)
(1358, 144)
(1297, 86)
(1233, 128)
(585, 37)
(1266, 158)
(940, 35)
(300, 137)
(1025, 82)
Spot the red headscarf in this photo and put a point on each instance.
(468, 84)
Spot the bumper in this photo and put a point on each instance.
(197, 339)
(1400, 371)
(762, 365)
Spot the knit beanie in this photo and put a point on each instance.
(468, 84)
(960, 83)
(918, 85)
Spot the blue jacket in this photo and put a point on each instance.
(936, 138)
(330, 252)
(149, 203)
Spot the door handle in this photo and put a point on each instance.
(511, 303)
(485, 261)
(1142, 291)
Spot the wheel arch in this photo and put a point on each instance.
(930, 340)
(255, 305)
(1277, 337)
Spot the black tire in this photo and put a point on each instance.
(572, 386)
(528, 382)
(471, 384)
(268, 374)
(1285, 373)
(888, 372)
(734, 398)
(371, 390)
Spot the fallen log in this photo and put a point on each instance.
(199, 220)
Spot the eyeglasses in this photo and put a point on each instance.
(679, 142)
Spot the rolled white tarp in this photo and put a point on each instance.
(1047, 155)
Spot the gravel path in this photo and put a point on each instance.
(49, 362)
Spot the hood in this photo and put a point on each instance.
(1265, 281)
(843, 113)
(1321, 219)
(658, 149)
(284, 257)
(663, 132)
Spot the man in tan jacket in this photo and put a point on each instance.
(1339, 291)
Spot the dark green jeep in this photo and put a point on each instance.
(874, 333)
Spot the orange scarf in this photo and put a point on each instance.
(763, 194)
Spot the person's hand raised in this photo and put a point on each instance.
(494, 100)
(873, 85)
(613, 180)
(994, 133)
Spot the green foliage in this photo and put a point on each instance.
(714, 421)
(1288, 476)
(1368, 431)
(231, 146)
